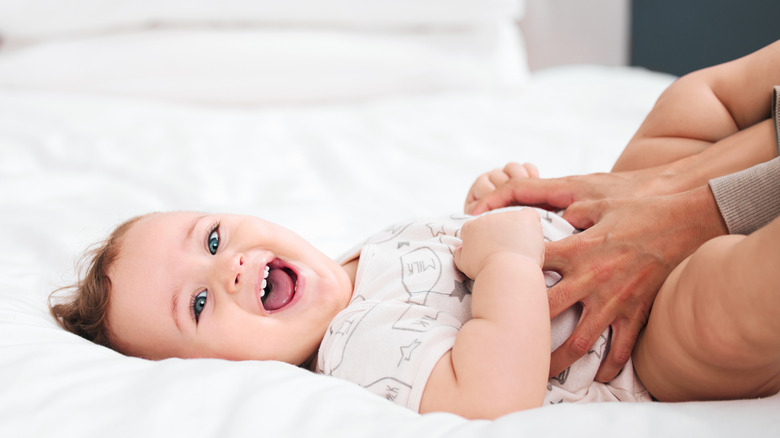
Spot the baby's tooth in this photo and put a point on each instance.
(267, 270)
(263, 285)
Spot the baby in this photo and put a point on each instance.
(437, 315)
(400, 316)
(452, 314)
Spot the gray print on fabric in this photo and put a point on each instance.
(420, 272)
(390, 388)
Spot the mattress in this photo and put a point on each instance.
(98, 123)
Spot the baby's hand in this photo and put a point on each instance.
(490, 181)
(510, 233)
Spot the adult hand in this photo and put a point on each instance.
(615, 267)
(504, 187)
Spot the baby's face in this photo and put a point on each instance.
(224, 286)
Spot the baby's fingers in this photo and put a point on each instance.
(461, 263)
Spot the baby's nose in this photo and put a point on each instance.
(234, 273)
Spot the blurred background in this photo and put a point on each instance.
(672, 36)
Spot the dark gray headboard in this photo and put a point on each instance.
(679, 36)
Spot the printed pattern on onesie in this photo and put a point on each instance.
(407, 307)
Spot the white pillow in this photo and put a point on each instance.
(250, 66)
(35, 19)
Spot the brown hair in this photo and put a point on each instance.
(85, 310)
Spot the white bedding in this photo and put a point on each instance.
(76, 161)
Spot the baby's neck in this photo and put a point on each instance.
(310, 363)
(350, 267)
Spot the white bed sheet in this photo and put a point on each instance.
(73, 165)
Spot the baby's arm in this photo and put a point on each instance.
(501, 357)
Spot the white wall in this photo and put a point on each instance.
(576, 31)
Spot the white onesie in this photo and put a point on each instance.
(409, 303)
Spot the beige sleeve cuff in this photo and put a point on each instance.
(749, 199)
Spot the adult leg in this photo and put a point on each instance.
(714, 329)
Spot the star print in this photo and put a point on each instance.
(598, 351)
(563, 376)
(460, 290)
(437, 229)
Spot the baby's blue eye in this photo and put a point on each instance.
(198, 303)
(213, 242)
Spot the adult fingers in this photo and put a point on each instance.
(501, 197)
(578, 344)
(624, 335)
(570, 289)
(584, 214)
(558, 254)
(526, 191)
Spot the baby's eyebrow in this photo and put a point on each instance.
(191, 228)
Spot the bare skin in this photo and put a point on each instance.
(194, 285)
(190, 285)
(712, 333)
(657, 189)
(483, 376)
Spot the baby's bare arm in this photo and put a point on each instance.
(500, 358)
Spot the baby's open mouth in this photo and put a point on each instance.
(278, 285)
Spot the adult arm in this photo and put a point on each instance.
(642, 221)
(631, 244)
(748, 200)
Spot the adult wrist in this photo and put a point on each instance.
(710, 218)
(684, 175)
(667, 179)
